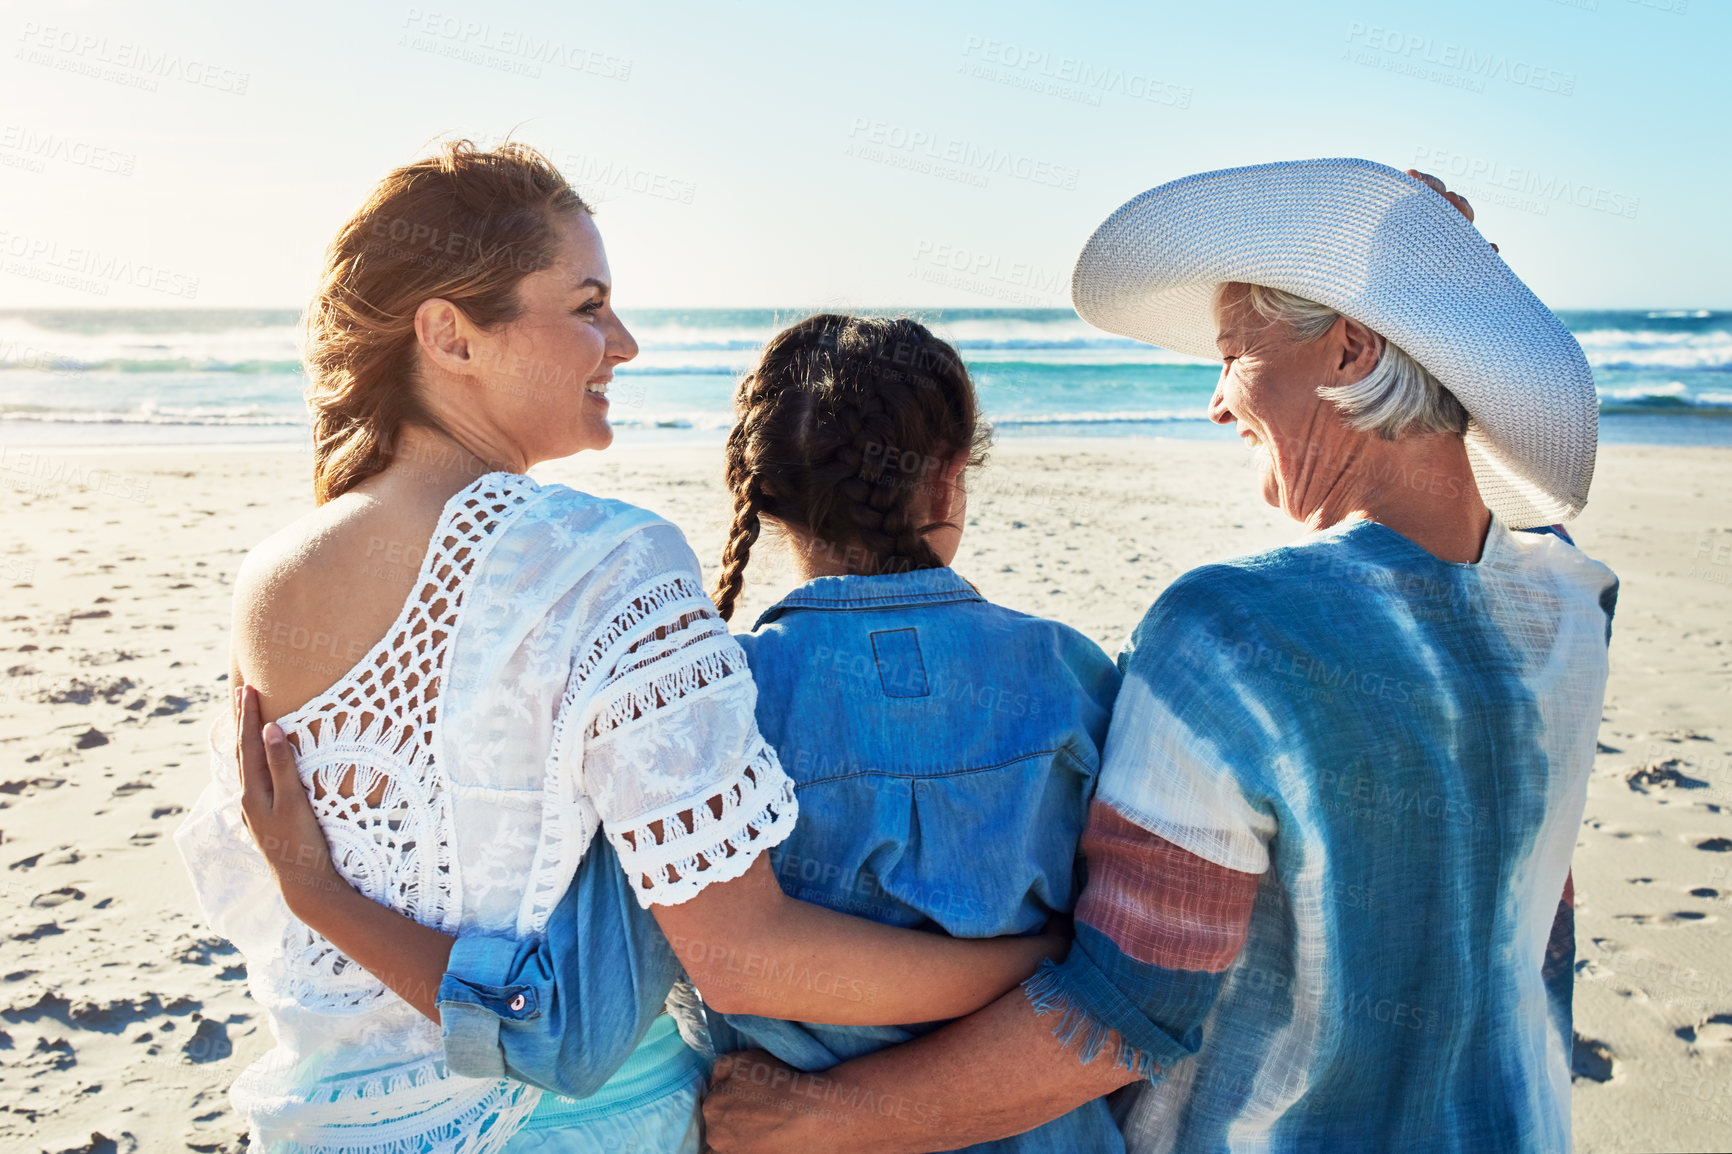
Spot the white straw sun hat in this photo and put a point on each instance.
(1382, 248)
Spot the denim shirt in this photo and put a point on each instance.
(945, 750)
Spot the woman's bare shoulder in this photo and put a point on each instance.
(312, 598)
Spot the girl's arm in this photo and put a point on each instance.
(748, 947)
(751, 949)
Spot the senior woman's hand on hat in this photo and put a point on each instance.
(1461, 203)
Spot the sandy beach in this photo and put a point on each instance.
(123, 1019)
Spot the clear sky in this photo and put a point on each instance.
(800, 153)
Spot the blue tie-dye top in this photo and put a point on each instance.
(1325, 861)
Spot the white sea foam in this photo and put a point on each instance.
(152, 371)
(24, 340)
(151, 416)
(1638, 349)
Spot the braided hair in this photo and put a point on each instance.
(844, 427)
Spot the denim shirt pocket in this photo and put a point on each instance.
(901, 669)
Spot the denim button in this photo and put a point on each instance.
(518, 1001)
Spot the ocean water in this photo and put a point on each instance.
(233, 375)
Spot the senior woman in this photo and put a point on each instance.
(1327, 900)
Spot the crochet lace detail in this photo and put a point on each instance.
(350, 1116)
(366, 746)
(662, 653)
(673, 857)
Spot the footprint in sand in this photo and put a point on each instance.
(1621, 833)
(57, 897)
(1675, 918)
(63, 855)
(1592, 1060)
(17, 787)
(1711, 1032)
(200, 951)
(45, 930)
(56, 1055)
(1662, 773)
(209, 1043)
(101, 1143)
(81, 692)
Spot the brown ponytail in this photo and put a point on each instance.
(844, 426)
(464, 226)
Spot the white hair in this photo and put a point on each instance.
(1398, 396)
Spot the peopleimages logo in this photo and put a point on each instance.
(882, 141)
(106, 59)
(1066, 77)
(44, 146)
(1469, 172)
(27, 471)
(501, 46)
(1416, 53)
(1015, 282)
(603, 178)
(87, 269)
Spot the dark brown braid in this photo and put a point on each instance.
(843, 428)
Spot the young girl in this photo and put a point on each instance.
(943, 749)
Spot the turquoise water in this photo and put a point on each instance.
(232, 375)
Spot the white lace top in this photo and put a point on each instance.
(558, 669)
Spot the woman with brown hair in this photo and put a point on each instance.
(541, 666)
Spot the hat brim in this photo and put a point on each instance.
(1386, 250)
